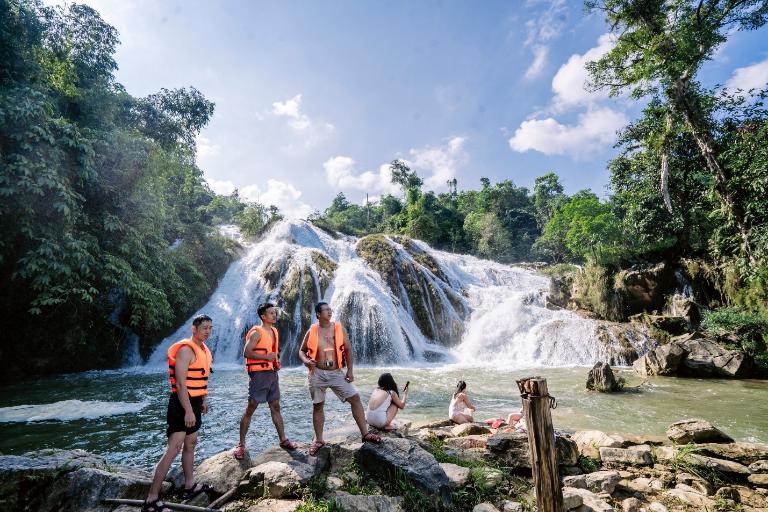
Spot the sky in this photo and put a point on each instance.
(316, 98)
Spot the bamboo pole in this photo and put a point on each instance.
(541, 438)
(172, 506)
(225, 498)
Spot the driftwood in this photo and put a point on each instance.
(223, 499)
(541, 437)
(172, 506)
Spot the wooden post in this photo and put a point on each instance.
(541, 438)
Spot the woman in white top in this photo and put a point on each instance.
(461, 407)
(385, 402)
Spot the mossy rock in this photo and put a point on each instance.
(381, 255)
(326, 268)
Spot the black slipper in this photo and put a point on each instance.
(154, 506)
(195, 490)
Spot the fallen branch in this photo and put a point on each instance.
(224, 498)
(172, 506)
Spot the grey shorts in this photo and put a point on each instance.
(263, 387)
(320, 380)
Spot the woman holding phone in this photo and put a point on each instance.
(385, 402)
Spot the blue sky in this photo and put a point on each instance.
(313, 98)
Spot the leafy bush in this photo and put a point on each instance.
(739, 329)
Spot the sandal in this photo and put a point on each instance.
(314, 447)
(239, 452)
(195, 491)
(287, 444)
(154, 506)
(370, 436)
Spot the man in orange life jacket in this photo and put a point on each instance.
(261, 352)
(325, 351)
(189, 366)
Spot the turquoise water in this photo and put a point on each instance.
(137, 436)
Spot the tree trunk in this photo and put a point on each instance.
(691, 111)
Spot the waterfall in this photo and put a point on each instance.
(401, 302)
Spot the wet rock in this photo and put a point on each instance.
(277, 479)
(469, 429)
(696, 431)
(419, 466)
(222, 471)
(484, 507)
(663, 360)
(361, 503)
(601, 379)
(457, 475)
(635, 455)
(589, 442)
(631, 505)
(599, 481)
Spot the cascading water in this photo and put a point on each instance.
(401, 302)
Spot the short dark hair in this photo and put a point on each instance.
(319, 307)
(263, 308)
(387, 382)
(200, 319)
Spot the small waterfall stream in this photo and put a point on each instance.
(401, 302)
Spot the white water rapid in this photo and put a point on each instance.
(401, 303)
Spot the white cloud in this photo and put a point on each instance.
(205, 148)
(749, 77)
(221, 187)
(435, 164)
(595, 130)
(281, 194)
(541, 31)
(569, 83)
(312, 132)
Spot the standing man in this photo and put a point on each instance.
(261, 352)
(189, 366)
(325, 351)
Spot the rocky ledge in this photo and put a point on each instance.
(431, 466)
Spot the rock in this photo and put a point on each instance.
(672, 324)
(222, 471)
(601, 379)
(273, 505)
(512, 506)
(487, 478)
(333, 483)
(665, 453)
(589, 442)
(696, 431)
(705, 357)
(84, 488)
(361, 503)
(469, 429)
(727, 493)
(761, 466)
(418, 465)
(696, 483)
(759, 480)
(645, 289)
(690, 497)
(277, 479)
(724, 466)
(635, 455)
(570, 470)
(512, 449)
(485, 507)
(644, 485)
(341, 455)
(631, 505)
(649, 439)
(457, 475)
(599, 481)
(467, 442)
(318, 463)
(663, 360)
(656, 507)
(751, 497)
(590, 501)
(743, 453)
(571, 499)
(432, 424)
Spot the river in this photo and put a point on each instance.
(121, 414)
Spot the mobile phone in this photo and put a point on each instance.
(406, 386)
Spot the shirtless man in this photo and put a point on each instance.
(325, 351)
(261, 352)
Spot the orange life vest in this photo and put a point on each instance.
(198, 371)
(263, 346)
(338, 338)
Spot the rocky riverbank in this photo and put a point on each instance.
(432, 466)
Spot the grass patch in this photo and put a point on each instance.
(588, 464)
(436, 447)
(356, 481)
(681, 462)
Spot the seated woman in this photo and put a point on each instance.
(461, 407)
(385, 402)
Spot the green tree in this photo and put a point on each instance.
(547, 197)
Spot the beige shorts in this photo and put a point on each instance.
(320, 380)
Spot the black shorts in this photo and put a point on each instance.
(175, 417)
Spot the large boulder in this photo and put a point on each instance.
(222, 471)
(277, 479)
(743, 453)
(696, 431)
(663, 360)
(318, 463)
(406, 456)
(705, 357)
(645, 289)
(85, 488)
(601, 378)
(589, 442)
